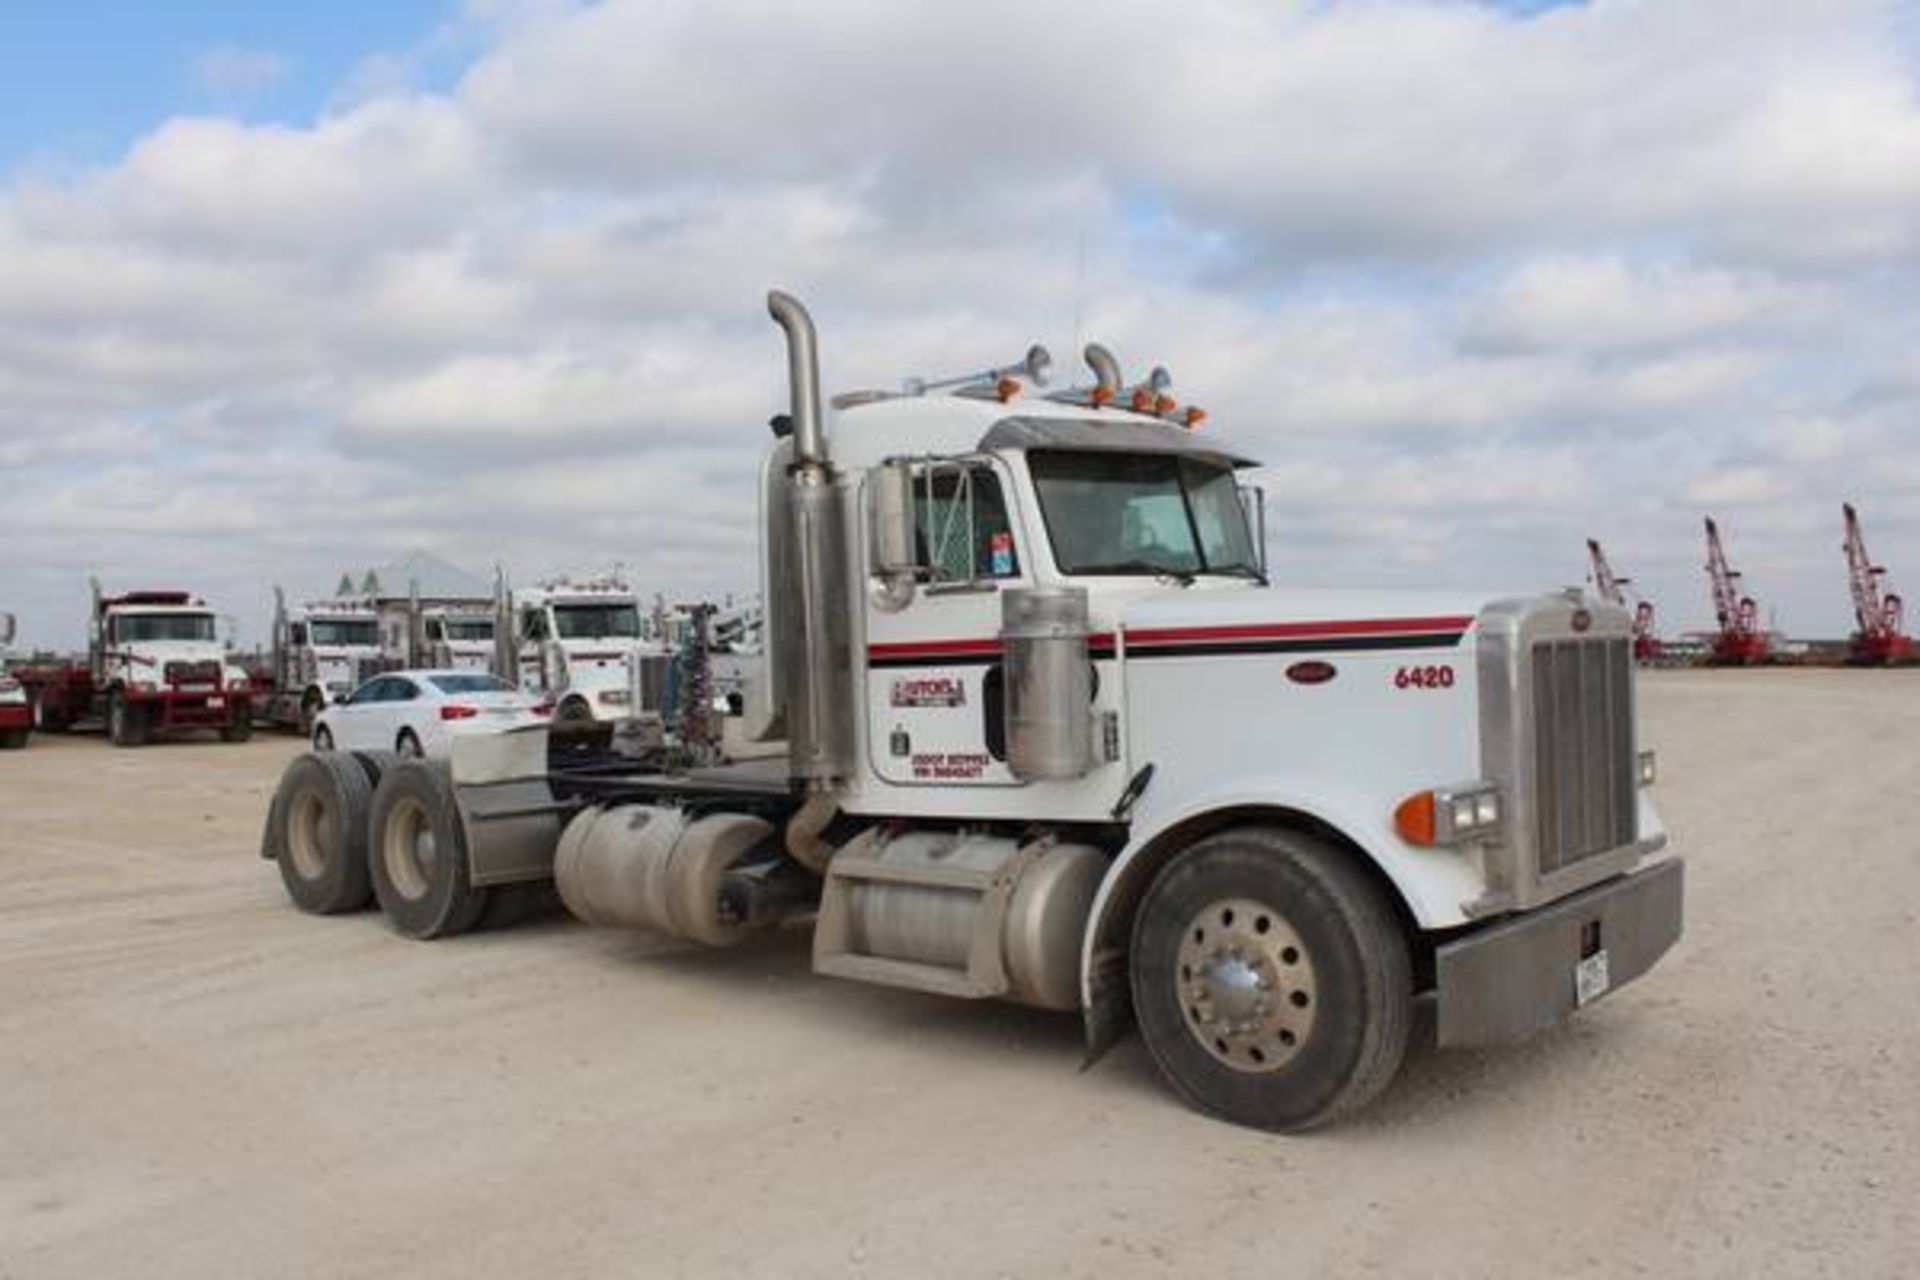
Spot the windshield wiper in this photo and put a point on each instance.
(1241, 571)
(1182, 576)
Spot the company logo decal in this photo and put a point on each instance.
(929, 691)
(1312, 671)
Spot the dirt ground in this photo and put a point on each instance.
(198, 1081)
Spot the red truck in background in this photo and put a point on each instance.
(155, 665)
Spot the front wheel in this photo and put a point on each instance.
(241, 730)
(1271, 980)
(13, 739)
(126, 722)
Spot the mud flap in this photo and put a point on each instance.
(1108, 1015)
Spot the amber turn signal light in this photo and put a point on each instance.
(1413, 818)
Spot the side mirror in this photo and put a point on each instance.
(890, 517)
(8, 628)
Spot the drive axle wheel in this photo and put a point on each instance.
(317, 832)
(419, 853)
(1271, 980)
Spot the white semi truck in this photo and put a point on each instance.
(321, 652)
(1052, 737)
(582, 643)
(456, 639)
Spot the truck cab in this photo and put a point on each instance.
(156, 662)
(322, 651)
(458, 640)
(579, 643)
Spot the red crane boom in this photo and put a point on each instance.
(1740, 640)
(1612, 588)
(1879, 635)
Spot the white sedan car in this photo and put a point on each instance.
(418, 713)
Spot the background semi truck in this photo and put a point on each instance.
(1049, 735)
(584, 644)
(16, 712)
(321, 651)
(155, 665)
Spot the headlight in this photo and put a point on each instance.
(1450, 815)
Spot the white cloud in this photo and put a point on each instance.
(230, 73)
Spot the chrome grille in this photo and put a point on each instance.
(207, 672)
(1583, 753)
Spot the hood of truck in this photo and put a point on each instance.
(1283, 617)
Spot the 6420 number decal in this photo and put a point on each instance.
(1434, 677)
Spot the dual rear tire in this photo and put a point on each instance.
(349, 827)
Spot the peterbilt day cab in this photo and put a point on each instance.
(1052, 736)
(580, 643)
(156, 665)
(456, 640)
(321, 652)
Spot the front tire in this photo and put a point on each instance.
(126, 722)
(418, 848)
(1271, 980)
(241, 730)
(14, 739)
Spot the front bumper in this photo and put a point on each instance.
(193, 709)
(15, 715)
(1504, 982)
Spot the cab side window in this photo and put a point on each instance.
(965, 533)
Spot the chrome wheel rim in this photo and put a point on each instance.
(409, 849)
(1246, 985)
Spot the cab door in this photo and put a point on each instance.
(934, 678)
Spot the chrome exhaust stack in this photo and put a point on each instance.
(814, 653)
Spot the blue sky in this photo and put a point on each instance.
(85, 79)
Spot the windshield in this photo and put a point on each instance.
(470, 684)
(597, 621)
(344, 631)
(468, 628)
(131, 628)
(1118, 513)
